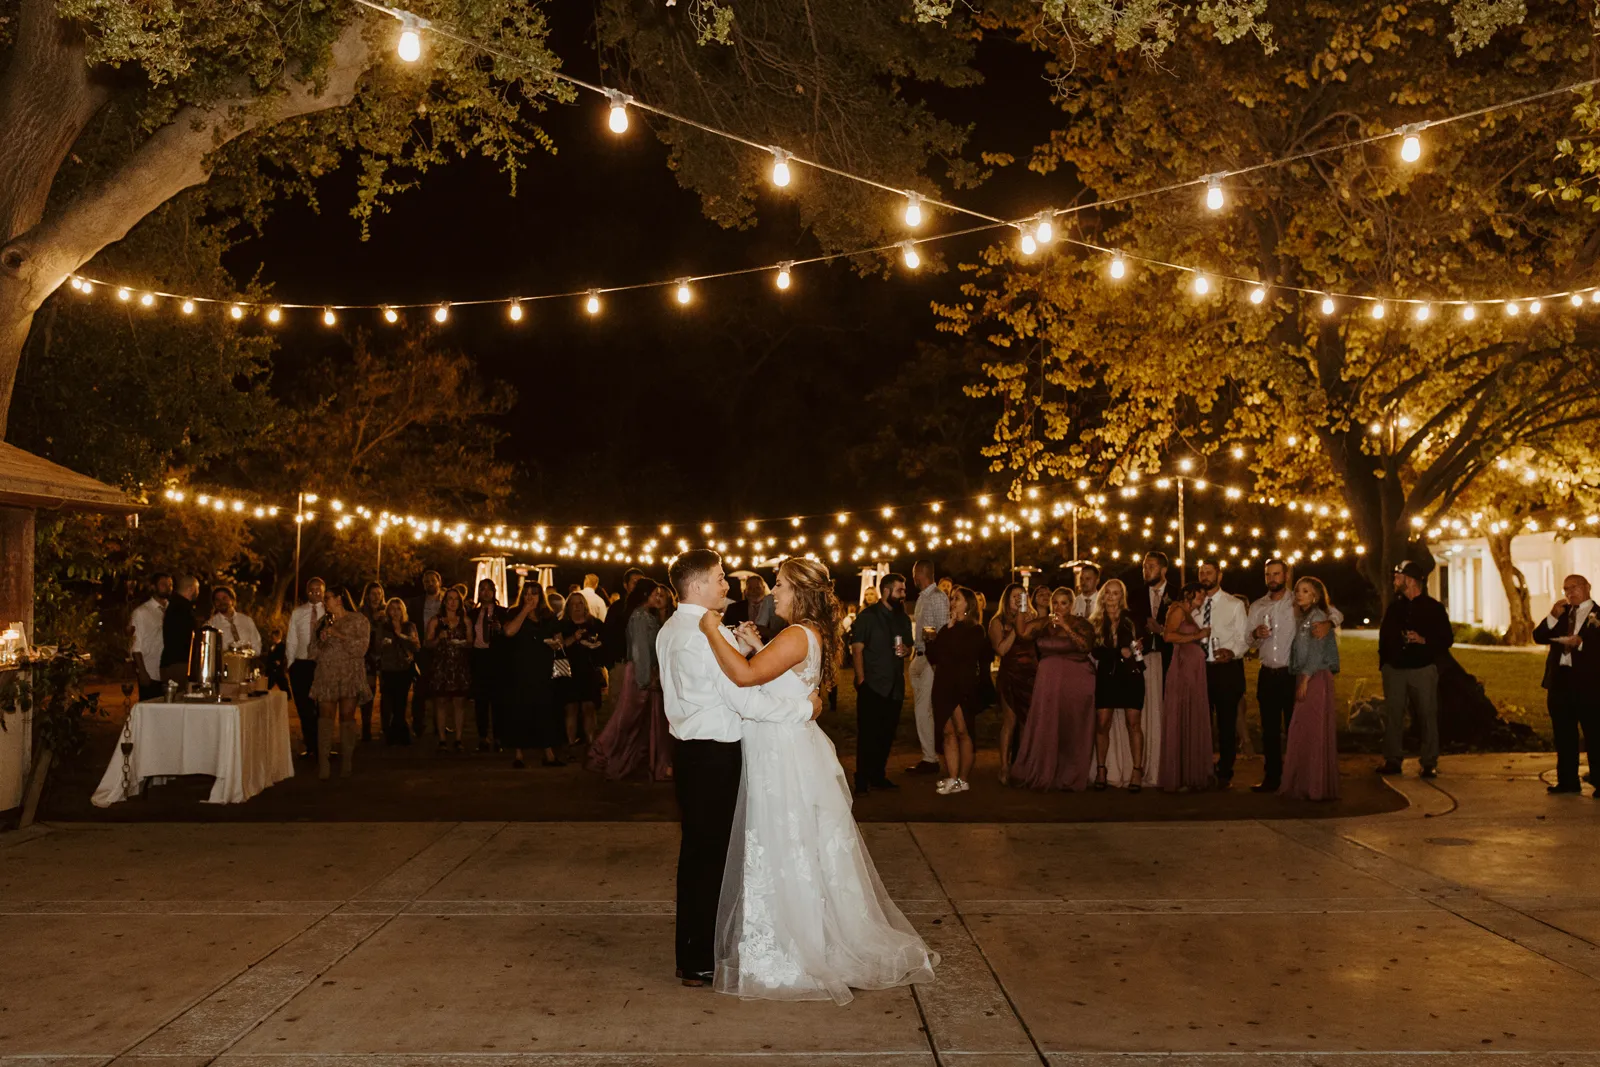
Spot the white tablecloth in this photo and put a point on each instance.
(245, 746)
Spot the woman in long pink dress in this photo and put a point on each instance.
(1057, 743)
(624, 746)
(1311, 764)
(1186, 760)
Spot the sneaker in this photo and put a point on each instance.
(947, 786)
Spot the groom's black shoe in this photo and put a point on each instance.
(886, 784)
(695, 979)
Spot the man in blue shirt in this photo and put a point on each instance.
(880, 641)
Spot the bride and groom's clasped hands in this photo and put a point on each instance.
(777, 896)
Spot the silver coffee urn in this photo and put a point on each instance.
(205, 661)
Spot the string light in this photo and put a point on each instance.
(328, 317)
(592, 304)
(1045, 232)
(1534, 307)
(1328, 306)
(783, 279)
(618, 120)
(1257, 295)
(1378, 311)
(124, 294)
(237, 312)
(1594, 296)
(515, 311)
(187, 307)
(274, 315)
(410, 46)
(1513, 309)
(1214, 192)
(1411, 146)
(1202, 285)
(1119, 268)
(441, 313)
(684, 294)
(908, 252)
(1469, 313)
(1029, 245)
(1424, 312)
(1577, 300)
(147, 300)
(780, 167)
(913, 209)
(390, 315)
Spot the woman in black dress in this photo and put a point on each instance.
(1119, 680)
(532, 718)
(580, 692)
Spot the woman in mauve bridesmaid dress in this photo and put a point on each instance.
(1186, 759)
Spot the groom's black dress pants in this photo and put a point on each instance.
(706, 775)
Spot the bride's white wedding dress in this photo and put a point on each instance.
(803, 915)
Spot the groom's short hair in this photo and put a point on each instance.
(690, 567)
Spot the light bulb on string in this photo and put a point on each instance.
(147, 300)
(684, 293)
(1029, 245)
(1577, 300)
(1534, 307)
(1258, 295)
(1513, 309)
(1378, 310)
(274, 316)
(124, 294)
(86, 287)
(618, 119)
(328, 317)
(1411, 144)
(515, 311)
(780, 167)
(1214, 199)
(908, 253)
(592, 304)
(1424, 312)
(1328, 306)
(441, 313)
(187, 307)
(236, 312)
(1594, 296)
(784, 279)
(390, 315)
(913, 209)
(1045, 231)
(1119, 269)
(1202, 285)
(74, 282)
(1469, 313)
(410, 45)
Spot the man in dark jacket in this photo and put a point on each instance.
(177, 630)
(1572, 679)
(1414, 636)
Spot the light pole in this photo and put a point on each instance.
(300, 515)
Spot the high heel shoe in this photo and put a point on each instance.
(1137, 787)
(1100, 780)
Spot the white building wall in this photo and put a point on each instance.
(1475, 593)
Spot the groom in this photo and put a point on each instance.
(704, 709)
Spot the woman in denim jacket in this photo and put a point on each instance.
(1311, 765)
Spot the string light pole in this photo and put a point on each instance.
(301, 517)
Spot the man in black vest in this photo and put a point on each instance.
(1572, 679)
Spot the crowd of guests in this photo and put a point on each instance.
(1132, 683)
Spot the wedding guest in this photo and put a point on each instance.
(398, 645)
(238, 629)
(448, 682)
(372, 606)
(870, 597)
(1019, 663)
(1223, 617)
(178, 625)
(146, 623)
(1148, 605)
(1057, 743)
(339, 645)
(615, 624)
(1087, 597)
(932, 612)
(1273, 629)
(303, 622)
(556, 602)
(1039, 600)
(531, 716)
(1311, 768)
(948, 587)
(422, 610)
(1414, 636)
(488, 659)
(275, 663)
(598, 605)
(1185, 707)
(623, 746)
(880, 641)
(756, 606)
(959, 653)
(1119, 681)
(580, 693)
(1572, 680)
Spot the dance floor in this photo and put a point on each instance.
(1462, 929)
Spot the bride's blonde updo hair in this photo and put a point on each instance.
(816, 603)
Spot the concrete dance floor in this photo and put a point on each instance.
(1464, 929)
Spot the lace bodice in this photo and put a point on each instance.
(805, 676)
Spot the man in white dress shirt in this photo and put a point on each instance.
(146, 638)
(1087, 595)
(704, 711)
(302, 668)
(932, 613)
(591, 596)
(1272, 629)
(1223, 613)
(237, 628)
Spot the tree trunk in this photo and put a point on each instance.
(1520, 629)
(34, 263)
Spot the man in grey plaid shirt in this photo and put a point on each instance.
(933, 613)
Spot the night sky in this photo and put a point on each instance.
(594, 433)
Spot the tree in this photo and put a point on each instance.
(1397, 418)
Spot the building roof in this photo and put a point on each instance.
(28, 481)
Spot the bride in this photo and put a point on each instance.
(803, 915)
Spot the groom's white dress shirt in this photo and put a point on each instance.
(702, 703)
